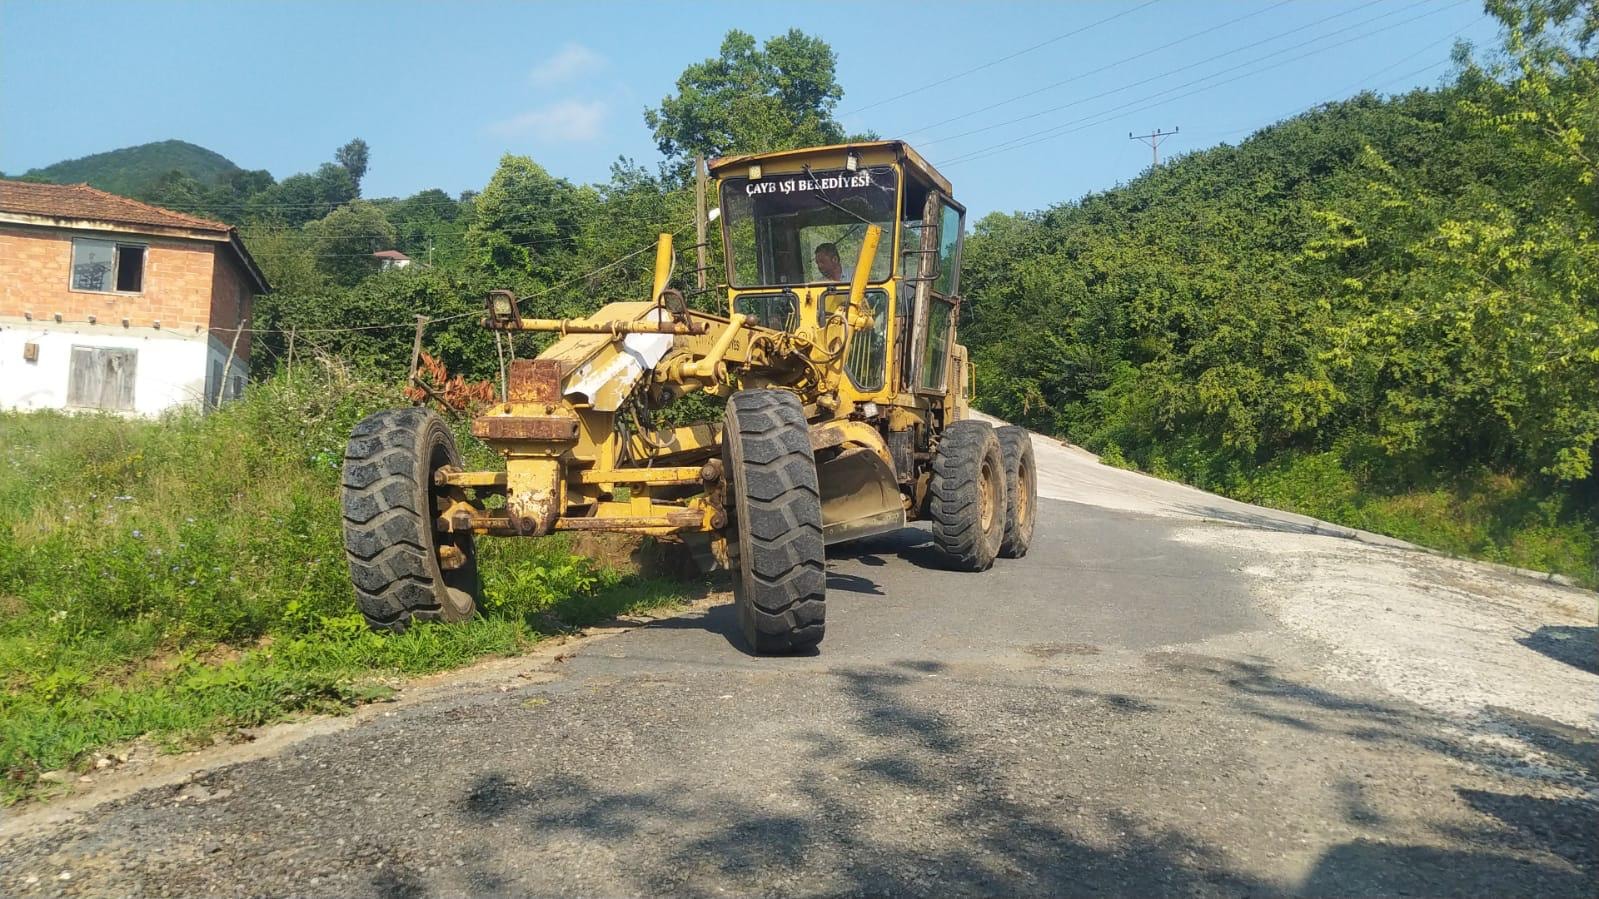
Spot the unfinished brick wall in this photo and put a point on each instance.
(233, 295)
(179, 279)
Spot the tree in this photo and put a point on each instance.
(749, 100)
(425, 222)
(180, 191)
(526, 221)
(289, 262)
(346, 238)
(303, 198)
(353, 156)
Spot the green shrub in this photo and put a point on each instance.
(183, 576)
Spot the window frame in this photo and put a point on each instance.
(879, 317)
(116, 263)
(723, 186)
(929, 291)
(75, 390)
(764, 297)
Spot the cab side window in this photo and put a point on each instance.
(949, 244)
(941, 306)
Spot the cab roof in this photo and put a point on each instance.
(913, 161)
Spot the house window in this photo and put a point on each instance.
(102, 378)
(106, 266)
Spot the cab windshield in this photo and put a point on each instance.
(807, 228)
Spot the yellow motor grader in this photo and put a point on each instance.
(846, 411)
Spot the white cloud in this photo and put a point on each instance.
(568, 120)
(571, 61)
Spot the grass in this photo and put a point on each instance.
(179, 578)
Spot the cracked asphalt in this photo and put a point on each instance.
(1121, 712)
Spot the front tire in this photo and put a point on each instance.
(779, 569)
(389, 510)
(967, 496)
(1021, 490)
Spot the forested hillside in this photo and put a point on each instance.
(1383, 311)
(135, 171)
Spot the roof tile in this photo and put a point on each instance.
(80, 201)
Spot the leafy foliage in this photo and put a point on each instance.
(303, 198)
(748, 99)
(354, 156)
(1407, 285)
(345, 240)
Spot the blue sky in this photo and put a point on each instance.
(441, 90)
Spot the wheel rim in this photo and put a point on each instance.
(458, 582)
(985, 497)
(1024, 495)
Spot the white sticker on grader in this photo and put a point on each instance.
(606, 385)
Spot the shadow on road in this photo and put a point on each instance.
(768, 836)
(722, 620)
(1576, 646)
(913, 545)
(1562, 826)
(908, 798)
(1263, 521)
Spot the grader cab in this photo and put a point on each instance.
(845, 411)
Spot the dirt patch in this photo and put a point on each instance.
(619, 551)
(1051, 650)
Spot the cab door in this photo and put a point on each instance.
(927, 363)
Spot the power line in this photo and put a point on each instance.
(306, 238)
(1219, 56)
(1121, 110)
(1123, 61)
(1006, 58)
(383, 202)
(451, 317)
(1341, 92)
(475, 311)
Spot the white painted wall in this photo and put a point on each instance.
(173, 369)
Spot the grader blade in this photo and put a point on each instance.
(860, 497)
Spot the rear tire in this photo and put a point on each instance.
(967, 496)
(388, 509)
(1021, 490)
(775, 528)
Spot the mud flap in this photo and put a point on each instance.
(859, 496)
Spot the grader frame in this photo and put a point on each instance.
(847, 412)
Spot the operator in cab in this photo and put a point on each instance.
(829, 264)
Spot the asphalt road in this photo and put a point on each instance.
(1139, 707)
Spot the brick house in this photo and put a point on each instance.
(109, 303)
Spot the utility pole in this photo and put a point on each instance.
(1153, 139)
(699, 215)
(416, 349)
(233, 349)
